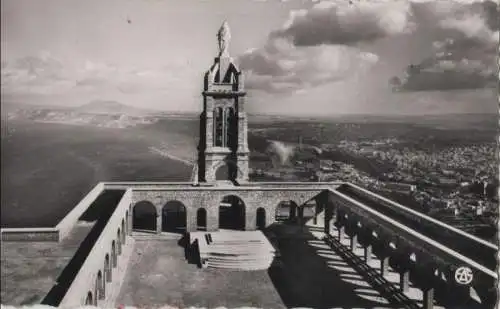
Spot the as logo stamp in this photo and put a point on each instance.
(463, 275)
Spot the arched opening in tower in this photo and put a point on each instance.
(232, 213)
(227, 171)
(218, 127)
(231, 128)
(173, 217)
(144, 216)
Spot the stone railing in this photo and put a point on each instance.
(426, 262)
(68, 222)
(61, 230)
(85, 279)
(146, 184)
(252, 186)
(479, 250)
(30, 234)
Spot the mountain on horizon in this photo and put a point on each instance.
(111, 107)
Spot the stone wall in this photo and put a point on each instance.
(65, 226)
(30, 234)
(102, 259)
(209, 198)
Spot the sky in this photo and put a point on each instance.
(299, 57)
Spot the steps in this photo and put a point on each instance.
(234, 250)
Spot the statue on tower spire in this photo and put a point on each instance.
(223, 36)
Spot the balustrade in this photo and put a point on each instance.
(430, 266)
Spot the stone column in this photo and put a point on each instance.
(250, 217)
(384, 264)
(354, 241)
(428, 302)
(326, 228)
(404, 280)
(190, 218)
(158, 223)
(130, 223)
(242, 164)
(212, 218)
(209, 130)
(270, 215)
(368, 253)
(341, 231)
(242, 125)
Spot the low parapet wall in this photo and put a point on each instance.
(61, 230)
(85, 280)
(30, 234)
(68, 222)
(469, 245)
(146, 184)
(245, 186)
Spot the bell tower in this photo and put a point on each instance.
(223, 147)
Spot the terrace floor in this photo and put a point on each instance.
(159, 275)
(30, 269)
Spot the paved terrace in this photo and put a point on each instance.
(30, 269)
(368, 214)
(303, 277)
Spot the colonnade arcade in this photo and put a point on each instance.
(231, 213)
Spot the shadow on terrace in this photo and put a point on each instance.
(309, 274)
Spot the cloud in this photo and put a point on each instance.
(45, 75)
(282, 67)
(320, 45)
(337, 22)
(465, 55)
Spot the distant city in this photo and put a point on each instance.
(456, 184)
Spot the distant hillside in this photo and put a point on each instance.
(111, 108)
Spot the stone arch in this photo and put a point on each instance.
(218, 127)
(261, 218)
(119, 241)
(144, 216)
(174, 217)
(100, 287)
(286, 211)
(124, 232)
(232, 213)
(201, 219)
(89, 300)
(226, 170)
(107, 268)
(114, 258)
